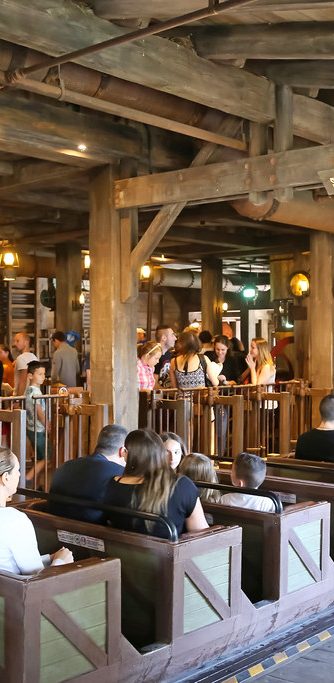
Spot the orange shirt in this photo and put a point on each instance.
(8, 372)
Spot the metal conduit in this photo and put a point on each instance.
(88, 88)
(214, 7)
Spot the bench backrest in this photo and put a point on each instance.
(281, 553)
(60, 624)
(167, 588)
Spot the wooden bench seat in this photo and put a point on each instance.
(190, 590)
(153, 569)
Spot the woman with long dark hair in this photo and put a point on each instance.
(223, 362)
(149, 484)
(174, 447)
(188, 369)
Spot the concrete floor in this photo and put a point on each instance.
(314, 666)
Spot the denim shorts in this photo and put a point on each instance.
(40, 443)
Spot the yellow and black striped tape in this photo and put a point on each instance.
(279, 657)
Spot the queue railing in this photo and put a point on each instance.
(222, 421)
(72, 428)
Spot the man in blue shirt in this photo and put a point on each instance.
(88, 477)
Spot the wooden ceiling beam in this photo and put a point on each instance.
(237, 240)
(61, 26)
(157, 63)
(44, 130)
(40, 129)
(30, 174)
(17, 215)
(55, 199)
(128, 9)
(6, 168)
(311, 40)
(294, 168)
(299, 74)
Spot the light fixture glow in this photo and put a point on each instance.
(82, 147)
(225, 306)
(86, 261)
(82, 299)
(8, 258)
(145, 272)
(299, 284)
(249, 292)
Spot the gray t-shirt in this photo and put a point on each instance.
(65, 365)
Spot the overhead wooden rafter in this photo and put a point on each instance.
(48, 131)
(61, 26)
(295, 168)
(157, 63)
(262, 41)
(122, 9)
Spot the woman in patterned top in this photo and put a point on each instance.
(188, 370)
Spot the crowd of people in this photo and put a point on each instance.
(195, 359)
(140, 470)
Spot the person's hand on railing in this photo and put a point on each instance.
(62, 556)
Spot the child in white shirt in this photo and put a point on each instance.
(248, 471)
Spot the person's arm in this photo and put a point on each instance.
(23, 545)
(252, 367)
(211, 373)
(22, 382)
(41, 415)
(172, 374)
(196, 521)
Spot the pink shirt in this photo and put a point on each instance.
(145, 375)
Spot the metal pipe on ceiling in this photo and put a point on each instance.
(88, 88)
(214, 7)
(302, 211)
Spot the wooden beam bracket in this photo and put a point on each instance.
(160, 224)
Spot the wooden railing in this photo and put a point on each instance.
(222, 422)
(74, 428)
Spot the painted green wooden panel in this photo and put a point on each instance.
(2, 631)
(71, 663)
(215, 566)
(197, 611)
(310, 535)
(298, 575)
(140, 572)
(87, 608)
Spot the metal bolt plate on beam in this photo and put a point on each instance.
(327, 178)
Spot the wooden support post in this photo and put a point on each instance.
(68, 276)
(283, 132)
(113, 323)
(284, 424)
(258, 144)
(211, 295)
(321, 310)
(149, 306)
